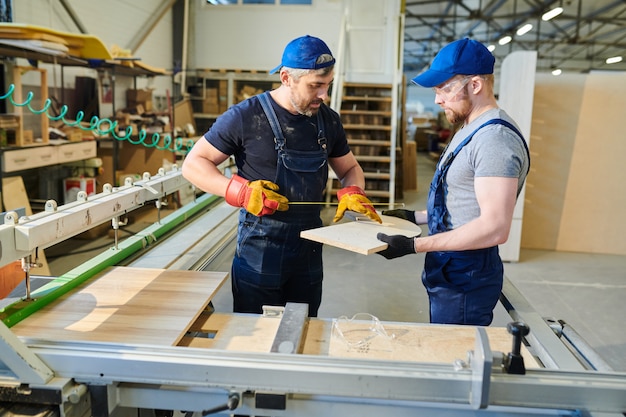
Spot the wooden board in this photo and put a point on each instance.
(360, 235)
(247, 332)
(10, 277)
(80, 45)
(127, 305)
(14, 196)
(413, 342)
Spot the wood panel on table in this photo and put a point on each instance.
(413, 342)
(127, 305)
(360, 236)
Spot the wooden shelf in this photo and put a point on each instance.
(368, 158)
(368, 115)
(367, 98)
(366, 127)
(377, 175)
(212, 92)
(366, 112)
(368, 142)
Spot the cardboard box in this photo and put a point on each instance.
(75, 134)
(210, 107)
(138, 96)
(75, 184)
(27, 137)
(135, 98)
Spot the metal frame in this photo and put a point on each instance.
(110, 377)
(193, 379)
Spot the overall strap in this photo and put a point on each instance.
(279, 139)
(321, 136)
(465, 141)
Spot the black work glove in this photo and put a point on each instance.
(401, 214)
(398, 245)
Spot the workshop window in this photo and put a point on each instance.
(247, 2)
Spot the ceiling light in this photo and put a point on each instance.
(491, 48)
(552, 14)
(505, 40)
(524, 29)
(556, 71)
(614, 60)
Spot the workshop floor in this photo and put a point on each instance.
(587, 291)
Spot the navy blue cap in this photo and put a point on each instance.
(303, 52)
(464, 57)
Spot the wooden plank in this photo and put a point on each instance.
(84, 46)
(127, 305)
(14, 196)
(414, 342)
(406, 341)
(10, 277)
(242, 332)
(360, 236)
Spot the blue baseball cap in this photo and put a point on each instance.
(464, 56)
(303, 52)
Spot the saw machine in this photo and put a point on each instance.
(133, 332)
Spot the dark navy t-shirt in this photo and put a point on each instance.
(244, 131)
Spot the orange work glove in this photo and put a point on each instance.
(353, 198)
(257, 197)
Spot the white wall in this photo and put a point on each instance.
(253, 37)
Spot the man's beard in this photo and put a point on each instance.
(303, 111)
(456, 117)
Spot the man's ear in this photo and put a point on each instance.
(477, 84)
(284, 77)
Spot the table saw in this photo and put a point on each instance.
(133, 332)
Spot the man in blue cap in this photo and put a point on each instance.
(283, 142)
(473, 192)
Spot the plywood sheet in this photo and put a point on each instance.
(413, 342)
(14, 196)
(241, 332)
(81, 45)
(360, 235)
(127, 305)
(404, 341)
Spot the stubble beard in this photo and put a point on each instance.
(459, 116)
(303, 111)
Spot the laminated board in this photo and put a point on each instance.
(127, 305)
(360, 235)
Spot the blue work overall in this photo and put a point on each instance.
(272, 264)
(463, 286)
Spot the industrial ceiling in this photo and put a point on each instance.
(578, 40)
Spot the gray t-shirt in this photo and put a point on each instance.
(495, 151)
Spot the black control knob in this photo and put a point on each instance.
(514, 363)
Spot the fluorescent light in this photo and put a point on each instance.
(491, 48)
(556, 71)
(505, 40)
(614, 60)
(552, 14)
(524, 29)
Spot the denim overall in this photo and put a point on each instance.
(463, 286)
(272, 264)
